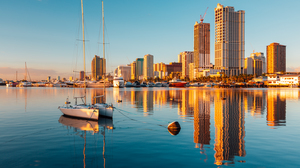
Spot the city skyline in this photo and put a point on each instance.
(45, 33)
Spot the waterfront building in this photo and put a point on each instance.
(124, 71)
(192, 71)
(253, 66)
(58, 78)
(187, 57)
(180, 58)
(81, 75)
(229, 40)
(98, 67)
(260, 56)
(48, 78)
(201, 45)
(139, 67)
(148, 66)
(276, 58)
(133, 71)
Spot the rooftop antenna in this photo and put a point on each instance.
(202, 17)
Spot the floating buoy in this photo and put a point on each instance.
(223, 98)
(174, 128)
(119, 101)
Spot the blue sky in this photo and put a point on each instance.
(46, 33)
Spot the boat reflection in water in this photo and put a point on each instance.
(90, 126)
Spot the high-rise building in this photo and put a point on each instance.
(229, 40)
(98, 67)
(276, 58)
(201, 45)
(260, 56)
(139, 67)
(148, 66)
(253, 66)
(187, 58)
(133, 70)
(124, 71)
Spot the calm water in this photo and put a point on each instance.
(250, 128)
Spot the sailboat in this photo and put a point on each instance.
(83, 110)
(24, 82)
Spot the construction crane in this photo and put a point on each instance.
(202, 17)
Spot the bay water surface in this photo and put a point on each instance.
(219, 128)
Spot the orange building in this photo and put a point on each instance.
(276, 58)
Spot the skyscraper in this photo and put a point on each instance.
(229, 40)
(148, 66)
(201, 45)
(98, 67)
(276, 58)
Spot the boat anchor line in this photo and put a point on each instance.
(173, 127)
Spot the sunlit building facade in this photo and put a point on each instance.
(133, 70)
(276, 58)
(229, 40)
(98, 67)
(187, 57)
(124, 71)
(201, 45)
(148, 66)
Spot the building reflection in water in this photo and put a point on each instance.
(201, 105)
(276, 108)
(229, 126)
(98, 96)
(255, 103)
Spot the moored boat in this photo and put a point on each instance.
(177, 83)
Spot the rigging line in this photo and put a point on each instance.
(138, 120)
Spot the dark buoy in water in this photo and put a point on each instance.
(223, 98)
(174, 128)
(119, 101)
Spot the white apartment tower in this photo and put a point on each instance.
(148, 66)
(229, 40)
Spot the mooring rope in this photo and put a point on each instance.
(120, 111)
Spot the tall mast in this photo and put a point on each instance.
(104, 62)
(103, 30)
(25, 71)
(83, 53)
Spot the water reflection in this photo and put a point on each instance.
(229, 127)
(276, 105)
(87, 125)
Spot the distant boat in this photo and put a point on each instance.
(129, 84)
(158, 84)
(177, 83)
(118, 82)
(98, 84)
(150, 84)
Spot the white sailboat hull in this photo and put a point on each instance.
(80, 112)
(104, 110)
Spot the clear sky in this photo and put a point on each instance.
(46, 34)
